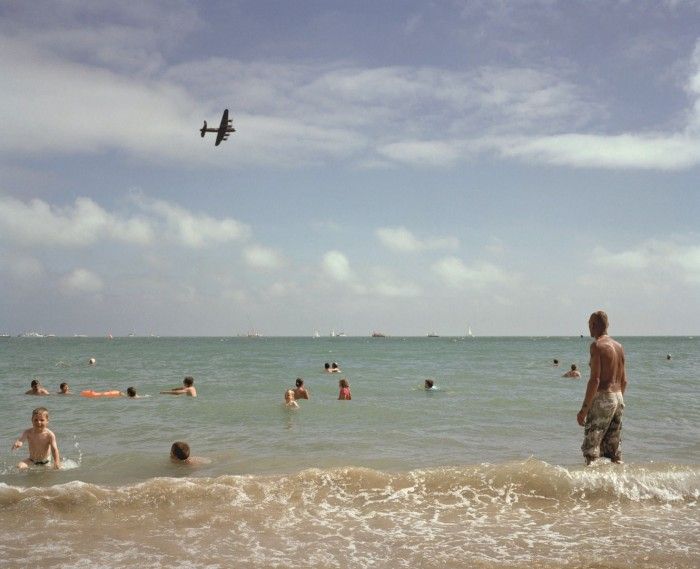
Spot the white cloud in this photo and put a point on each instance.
(103, 82)
(86, 223)
(194, 230)
(260, 257)
(634, 260)
(455, 273)
(423, 152)
(81, 281)
(403, 240)
(82, 224)
(337, 266)
(656, 259)
(660, 152)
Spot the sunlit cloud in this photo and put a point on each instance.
(193, 230)
(455, 273)
(84, 223)
(337, 266)
(260, 257)
(653, 260)
(403, 240)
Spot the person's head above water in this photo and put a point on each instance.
(299, 382)
(131, 392)
(429, 383)
(180, 450)
(188, 381)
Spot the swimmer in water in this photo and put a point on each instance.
(344, 393)
(92, 361)
(42, 442)
(187, 388)
(573, 372)
(36, 388)
(289, 400)
(64, 389)
(430, 384)
(180, 454)
(300, 391)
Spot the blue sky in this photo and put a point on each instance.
(404, 167)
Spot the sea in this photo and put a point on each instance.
(484, 471)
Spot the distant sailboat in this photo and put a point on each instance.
(316, 334)
(469, 332)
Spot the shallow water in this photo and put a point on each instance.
(486, 470)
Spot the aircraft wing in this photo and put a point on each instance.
(223, 128)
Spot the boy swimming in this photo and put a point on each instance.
(42, 442)
(36, 388)
(187, 388)
(180, 454)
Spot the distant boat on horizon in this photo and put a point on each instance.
(469, 332)
(376, 334)
(432, 335)
(316, 334)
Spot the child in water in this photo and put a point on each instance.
(289, 400)
(36, 388)
(64, 389)
(180, 454)
(42, 442)
(187, 388)
(344, 394)
(430, 384)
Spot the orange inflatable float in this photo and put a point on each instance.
(93, 393)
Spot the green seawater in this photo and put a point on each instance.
(498, 400)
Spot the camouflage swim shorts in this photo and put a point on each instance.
(603, 427)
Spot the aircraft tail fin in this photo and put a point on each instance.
(203, 129)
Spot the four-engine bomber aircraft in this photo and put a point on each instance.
(225, 128)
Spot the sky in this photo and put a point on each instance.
(405, 167)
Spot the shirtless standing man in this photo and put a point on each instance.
(601, 412)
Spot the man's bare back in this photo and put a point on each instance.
(608, 363)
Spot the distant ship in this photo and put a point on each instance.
(432, 335)
(253, 334)
(31, 334)
(316, 334)
(378, 335)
